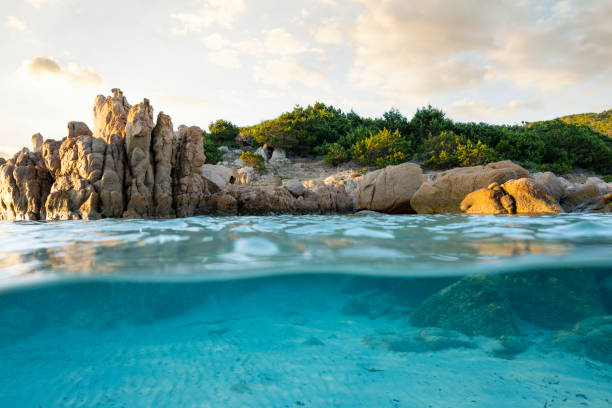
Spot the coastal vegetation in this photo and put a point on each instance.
(429, 137)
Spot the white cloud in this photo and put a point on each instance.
(328, 33)
(44, 67)
(466, 109)
(285, 71)
(38, 3)
(275, 42)
(15, 23)
(332, 3)
(211, 12)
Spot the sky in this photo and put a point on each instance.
(502, 61)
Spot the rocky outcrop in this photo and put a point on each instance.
(162, 143)
(578, 195)
(139, 175)
(390, 190)
(110, 115)
(522, 196)
(37, 143)
(601, 204)
(447, 191)
(555, 186)
(24, 186)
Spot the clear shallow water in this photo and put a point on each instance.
(304, 311)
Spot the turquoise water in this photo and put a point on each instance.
(309, 311)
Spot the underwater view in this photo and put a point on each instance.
(308, 311)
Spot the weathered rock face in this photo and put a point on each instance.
(24, 186)
(522, 196)
(74, 194)
(577, 196)
(139, 175)
(221, 176)
(390, 190)
(601, 204)
(162, 142)
(449, 188)
(37, 142)
(555, 186)
(190, 187)
(110, 115)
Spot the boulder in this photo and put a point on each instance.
(264, 151)
(488, 201)
(448, 190)
(579, 195)
(162, 148)
(278, 157)
(219, 175)
(389, 190)
(531, 197)
(140, 171)
(601, 204)
(555, 186)
(37, 142)
(24, 186)
(223, 204)
(110, 115)
(296, 188)
(474, 305)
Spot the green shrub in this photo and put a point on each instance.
(450, 150)
(211, 150)
(382, 149)
(607, 179)
(521, 146)
(223, 132)
(253, 160)
(428, 122)
(336, 154)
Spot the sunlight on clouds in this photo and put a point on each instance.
(45, 67)
(328, 33)
(211, 12)
(466, 109)
(285, 71)
(15, 23)
(38, 3)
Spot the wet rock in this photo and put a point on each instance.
(531, 197)
(426, 340)
(37, 142)
(591, 337)
(475, 306)
(389, 190)
(139, 175)
(553, 299)
(162, 146)
(191, 189)
(447, 191)
(601, 204)
(296, 188)
(223, 204)
(24, 186)
(579, 195)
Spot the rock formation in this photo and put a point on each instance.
(390, 190)
(162, 143)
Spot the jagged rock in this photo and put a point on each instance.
(110, 115)
(219, 175)
(162, 143)
(555, 186)
(139, 175)
(475, 305)
(50, 153)
(389, 190)
(579, 195)
(296, 188)
(112, 199)
(24, 185)
(223, 204)
(37, 142)
(245, 175)
(531, 197)
(74, 194)
(278, 157)
(447, 191)
(601, 204)
(191, 188)
(591, 337)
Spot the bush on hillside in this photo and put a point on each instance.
(253, 160)
(211, 150)
(336, 154)
(223, 132)
(382, 149)
(450, 150)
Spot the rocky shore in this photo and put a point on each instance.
(134, 167)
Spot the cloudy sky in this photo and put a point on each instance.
(501, 61)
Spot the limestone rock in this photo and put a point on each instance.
(389, 190)
(110, 115)
(447, 191)
(24, 185)
(601, 204)
(579, 195)
(190, 187)
(74, 194)
(475, 305)
(162, 146)
(37, 142)
(139, 175)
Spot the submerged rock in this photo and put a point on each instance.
(390, 190)
(475, 305)
(508, 347)
(426, 340)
